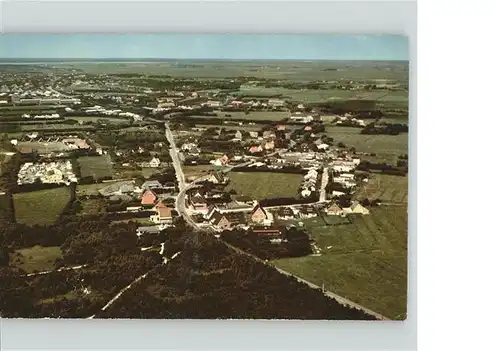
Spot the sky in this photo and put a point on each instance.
(205, 46)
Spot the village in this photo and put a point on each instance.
(273, 176)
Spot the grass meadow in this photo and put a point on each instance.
(41, 207)
(365, 261)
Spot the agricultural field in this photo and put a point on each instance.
(98, 167)
(262, 69)
(389, 98)
(58, 126)
(36, 258)
(255, 115)
(42, 147)
(390, 189)
(365, 261)
(196, 171)
(262, 185)
(41, 207)
(387, 147)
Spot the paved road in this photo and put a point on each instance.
(324, 182)
(174, 154)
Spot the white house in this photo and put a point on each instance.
(155, 162)
(356, 207)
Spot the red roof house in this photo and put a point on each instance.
(148, 198)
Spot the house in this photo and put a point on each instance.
(224, 221)
(267, 232)
(155, 162)
(221, 161)
(337, 193)
(151, 184)
(253, 134)
(281, 127)
(261, 216)
(306, 193)
(199, 203)
(285, 213)
(255, 149)
(269, 145)
(268, 134)
(276, 102)
(163, 213)
(301, 118)
(356, 207)
(334, 210)
(217, 178)
(307, 212)
(148, 198)
(238, 135)
(148, 230)
(243, 200)
(308, 128)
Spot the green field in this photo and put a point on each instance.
(390, 98)
(97, 167)
(387, 147)
(59, 126)
(36, 258)
(282, 70)
(41, 207)
(388, 188)
(255, 115)
(365, 261)
(261, 185)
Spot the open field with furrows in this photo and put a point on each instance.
(282, 70)
(262, 185)
(97, 167)
(385, 146)
(36, 258)
(255, 115)
(365, 261)
(42, 206)
(390, 189)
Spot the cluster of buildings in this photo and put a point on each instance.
(60, 172)
(308, 186)
(115, 112)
